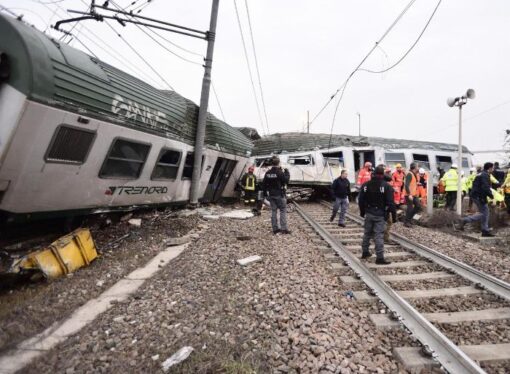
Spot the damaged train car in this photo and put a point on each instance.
(314, 160)
(78, 136)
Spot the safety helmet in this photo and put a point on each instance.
(454, 166)
(421, 171)
(398, 165)
(472, 169)
(368, 164)
(462, 173)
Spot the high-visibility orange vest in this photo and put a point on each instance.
(413, 190)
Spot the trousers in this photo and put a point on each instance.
(451, 200)
(482, 215)
(413, 207)
(374, 228)
(343, 205)
(278, 203)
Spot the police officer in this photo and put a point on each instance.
(274, 184)
(375, 201)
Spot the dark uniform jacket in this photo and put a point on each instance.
(275, 181)
(341, 188)
(376, 198)
(482, 187)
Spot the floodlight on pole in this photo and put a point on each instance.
(459, 102)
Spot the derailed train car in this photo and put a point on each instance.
(316, 159)
(78, 136)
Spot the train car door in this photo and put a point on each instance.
(360, 157)
(219, 178)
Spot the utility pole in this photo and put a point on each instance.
(308, 122)
(359, 123)
(204, 101)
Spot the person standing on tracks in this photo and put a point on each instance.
(375, 201)
(480, 192)
(249, 184)
(390, 218)
(273, 186)
(412, 199)
(506, 191)
(341, 191)
(398, 183)
(364, 174)
(450, 180)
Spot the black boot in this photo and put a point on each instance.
(382, 261)
(332, 217)
(366, 255)
(487, 234)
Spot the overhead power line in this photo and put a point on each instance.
(404, 11)
(248, 65)
(412, 46)
(257, 66)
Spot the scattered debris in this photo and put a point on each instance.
(243, 238)
(177, 358)
(62, 257)
(249, 260)
(126, 217)
(179, 240)
(137, 222)
(211, 217)
(238, 214)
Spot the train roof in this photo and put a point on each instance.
(53, 73)
(302, 142)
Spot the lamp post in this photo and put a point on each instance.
(460, 102)
(359, 123)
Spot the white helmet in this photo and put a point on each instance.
(472, 169)
(421, 171)
(462, 173)
(454, 166)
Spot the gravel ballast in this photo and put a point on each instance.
(287, 313)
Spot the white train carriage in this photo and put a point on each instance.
(316, 159)
(78, 136)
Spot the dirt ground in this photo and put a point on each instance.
(29, 308)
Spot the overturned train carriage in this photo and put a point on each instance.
(80, 136)
(316, 159)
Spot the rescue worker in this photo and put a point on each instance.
(411, 190)
(341, 191)
(390, 218)
(421, 186)
(375, 201)
(364, 174)
(249, 184)
(506, 191)
(498, 174)
(274, 184)
(469, 183)
(463, 184)
(480, 192)
(398, 183)
(450, 180)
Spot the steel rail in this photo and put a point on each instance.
(488, 282)
(444, 350)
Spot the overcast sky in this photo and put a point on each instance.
(306, 50)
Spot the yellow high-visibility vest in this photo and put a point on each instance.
(250, 183)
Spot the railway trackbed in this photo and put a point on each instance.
(460, 315)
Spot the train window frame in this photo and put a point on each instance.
(421, 163)
(176, 166)
(263, 162)
(184, 166)
(392, 163)
(441, 163)
(49, 160)
(114, 140)
(309, 156)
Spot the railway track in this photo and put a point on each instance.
(408, 287)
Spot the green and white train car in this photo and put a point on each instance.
(78, 136)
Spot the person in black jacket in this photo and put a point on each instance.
(498, 174)
(341, 191)
(274, 184)
(479, 193)
(375, 201)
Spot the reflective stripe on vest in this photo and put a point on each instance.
(250, 183)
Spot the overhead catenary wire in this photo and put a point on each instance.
(402, 13)
(248, 65)
(411, 48)
(257, 66)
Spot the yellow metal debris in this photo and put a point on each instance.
(62, 257)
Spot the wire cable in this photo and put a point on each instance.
(218, 101)
(257, 66)
(388, 30)
(410, 49)
(248, 65)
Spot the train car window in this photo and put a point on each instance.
(395, 158)
(465, 163)
(263, 162)
(189, 162)
(443, 162)
(167, 165)
(125, 160)
(70, 145)
(300, 160)
(334, 158)
(422, 160)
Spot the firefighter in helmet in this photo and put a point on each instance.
(248, 185)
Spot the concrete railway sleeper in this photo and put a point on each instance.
(417, 263)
